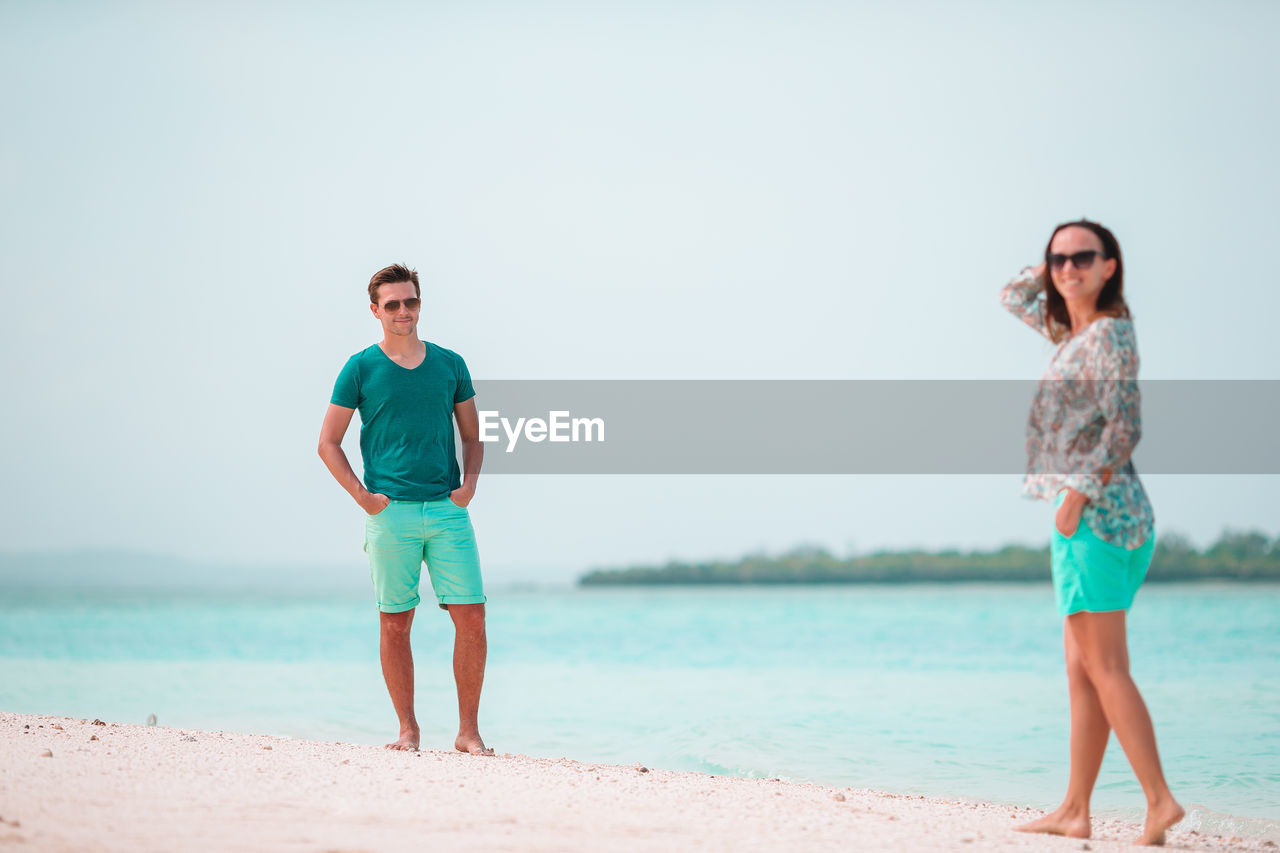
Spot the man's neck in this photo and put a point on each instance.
(402, 346)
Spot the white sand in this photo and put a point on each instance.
(135, 788)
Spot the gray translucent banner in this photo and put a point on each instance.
(847, 426)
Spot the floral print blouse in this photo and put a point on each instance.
(1085, 419)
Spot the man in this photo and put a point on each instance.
(409, 392)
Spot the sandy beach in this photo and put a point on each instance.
(80, 785)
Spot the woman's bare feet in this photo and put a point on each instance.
(471, 744)
(1160, 817)
(408, 740)
(1070, 822)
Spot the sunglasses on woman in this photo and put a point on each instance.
(1079, 260)
(413, 303)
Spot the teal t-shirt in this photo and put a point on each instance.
(406, 420)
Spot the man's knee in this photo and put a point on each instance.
(396, 624)
(467, 617)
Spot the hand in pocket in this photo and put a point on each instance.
(375, 503)
(1067, 519)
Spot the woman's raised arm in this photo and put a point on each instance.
(1024, 298)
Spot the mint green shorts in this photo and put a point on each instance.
(1091, 574)
(406, 534)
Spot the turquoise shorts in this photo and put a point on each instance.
(407, 533)
(1091, 574)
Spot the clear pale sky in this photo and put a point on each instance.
(193, 197)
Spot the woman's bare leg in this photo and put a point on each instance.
(1089, 734)
(1104, 651)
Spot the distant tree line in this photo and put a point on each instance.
(1236, 556)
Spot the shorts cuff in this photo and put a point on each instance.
(399, 608)
(462, 599)
(1094, 608)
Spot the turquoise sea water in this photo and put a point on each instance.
(948, 690)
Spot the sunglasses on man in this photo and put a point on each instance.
(413, 303)
(1079, 260)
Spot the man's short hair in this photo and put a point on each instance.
(392, 275)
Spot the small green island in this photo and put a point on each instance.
(1236, 556)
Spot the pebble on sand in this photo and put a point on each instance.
(48, 753)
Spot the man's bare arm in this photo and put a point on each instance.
(472, 450)
(336, 421)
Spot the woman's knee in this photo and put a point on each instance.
(1105, 667)
(1077, 672)
(1098, 641)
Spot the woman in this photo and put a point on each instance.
(1084, 424)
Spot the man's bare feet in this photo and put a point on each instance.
(471, 744)
(408, 740)
(1069, 822)
(1160, 817)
